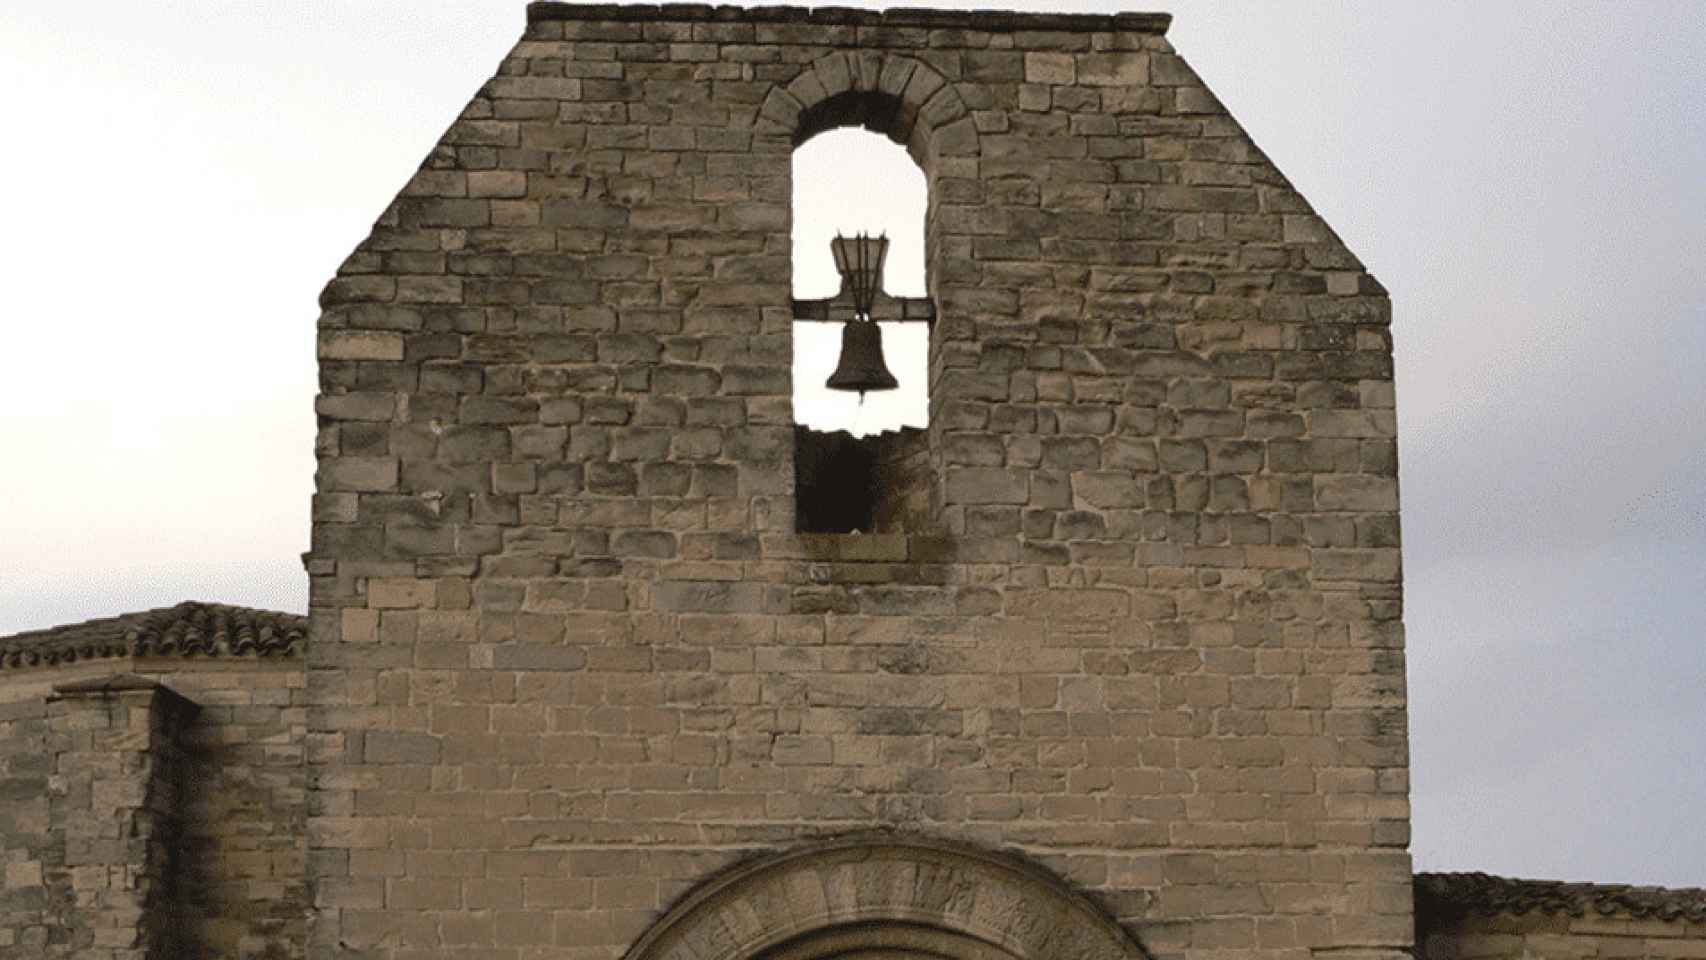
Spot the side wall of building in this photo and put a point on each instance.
(206, 813)
(26, 855)
(570, 658)
(246, 810)
(1561, 936)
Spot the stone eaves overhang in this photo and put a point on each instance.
(188, 630)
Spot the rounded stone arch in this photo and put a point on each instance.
(885, 895)
(900, 97)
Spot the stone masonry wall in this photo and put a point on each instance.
(568, 656)
(244, 864)
(234, 881)
(25, 851)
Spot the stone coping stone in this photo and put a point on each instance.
(115, 685)
(994, 21)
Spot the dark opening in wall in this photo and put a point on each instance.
(874, 484)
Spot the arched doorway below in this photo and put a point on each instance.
(885, 896)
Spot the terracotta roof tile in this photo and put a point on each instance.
(1440, 893)
(186, 630)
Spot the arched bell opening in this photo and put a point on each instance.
(861, 338)
(872, 470)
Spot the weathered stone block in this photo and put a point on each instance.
(359, 474)
(975, 485)
(1050, 68)
(360, 345)
(1372, 565)
(1356, 492)
(1113, 69)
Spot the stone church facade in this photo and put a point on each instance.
(1120, 674)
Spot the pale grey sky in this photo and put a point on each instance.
(1529, 180)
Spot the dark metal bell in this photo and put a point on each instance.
(861, 366)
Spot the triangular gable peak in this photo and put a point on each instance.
(528, 135)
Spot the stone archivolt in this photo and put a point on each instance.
(902, 98)
(886, 895)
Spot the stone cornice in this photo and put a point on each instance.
(993, 21)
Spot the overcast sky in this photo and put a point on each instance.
(1529, 180)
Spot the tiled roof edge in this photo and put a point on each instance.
(995, 21)
(187, 630)
(1486, 894)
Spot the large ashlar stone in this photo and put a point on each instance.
(360, 345)
(1113, 69)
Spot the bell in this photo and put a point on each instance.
(861, 366)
